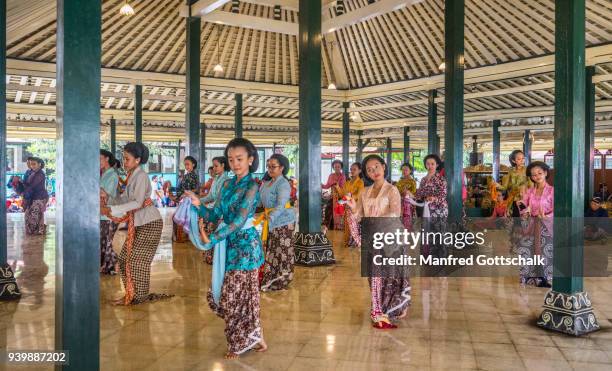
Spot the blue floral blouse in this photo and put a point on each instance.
(236, 204)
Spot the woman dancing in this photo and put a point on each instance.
(537, 209)
(145, 224)
(335, 181)
(352, 188)
(279, 225)
(189, 182)
(407, 188)
(109, 183)
(515, 182)
(390, 295)
(234, 295)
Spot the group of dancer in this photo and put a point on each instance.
(525, 190)
(530, 202)
(224, 218)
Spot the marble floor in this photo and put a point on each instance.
(320, 323)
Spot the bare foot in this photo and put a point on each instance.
(119, 301)
(230, 355)
(403, 314)
(262, 346)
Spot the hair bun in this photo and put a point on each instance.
(145, 154)
(138, 150)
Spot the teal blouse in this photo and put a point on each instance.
(236, 203)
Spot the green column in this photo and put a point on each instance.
(192, 100)
(390, 156)
(177, 161)
(527, 146)
(567, 307)
(3, 137)
(432, 123)
(453, 105)
(138, 113)
(113, 136)
(346, 141)
(569, 140)
(8, 286)
(589, 131)
(496, 149)
(202, 155)
(359, 150)
(77, 277)
(311, 246)
(238, 116)
(406, 143)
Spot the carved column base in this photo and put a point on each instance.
(8, 285)
(312, 249)
(569, 314)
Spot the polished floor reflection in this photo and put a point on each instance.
(322, 322)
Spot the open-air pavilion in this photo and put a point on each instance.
(521, 74)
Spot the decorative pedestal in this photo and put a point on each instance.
(312, 249)
(569, 314)
(8, 285)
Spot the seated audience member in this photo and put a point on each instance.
(595, 228)
(602, 193)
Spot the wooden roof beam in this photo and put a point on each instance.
(328, 25)
(512, 113)
(178, 116)
(480, 94)
(526, 67)
(252, 22)
(111, 75)
(202, 7)
(364, 13)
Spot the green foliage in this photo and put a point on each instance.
(291, 152)
(46, 149)
(397, 159)
(155, 148)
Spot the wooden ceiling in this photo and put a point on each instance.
(385, 64)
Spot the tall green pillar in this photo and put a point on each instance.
(138, 113)
(390, 156)
(432, 123)
(192, 100)
(453, 105)
(311, 245)
(8, 286)
(346, 135)
(238, 116)
(567, 307)
(496, 149)
(202, 168)
(77, 276)
(527, 146)
(359, 149)
(406, 144)
(113, 136)
(177, 161)
(589, 131)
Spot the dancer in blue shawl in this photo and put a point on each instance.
(234, 295)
